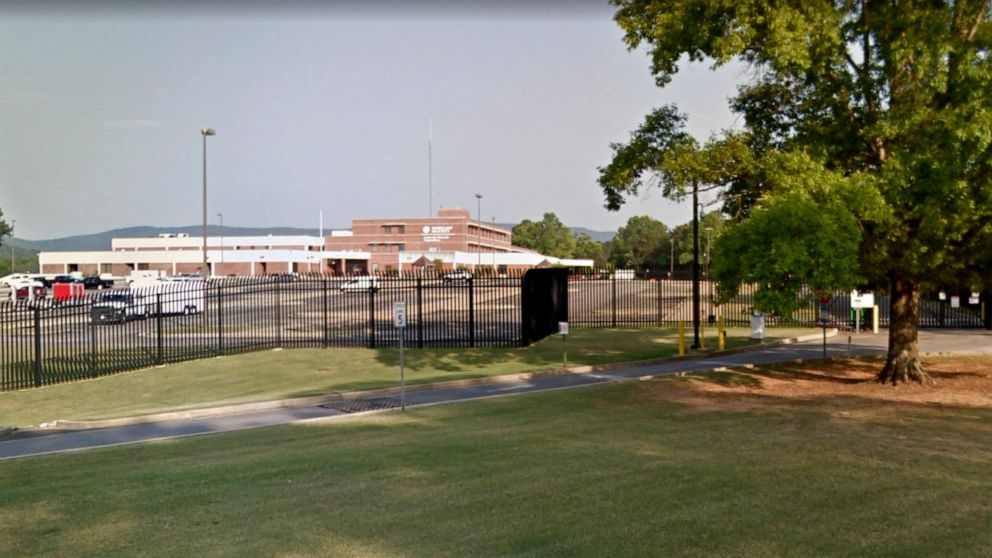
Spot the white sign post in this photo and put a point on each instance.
(563, 331)
(859, 301)
(399, 320)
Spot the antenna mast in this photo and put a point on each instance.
(430, 171)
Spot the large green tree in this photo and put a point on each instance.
(548, 236)
(710, 228)
(5, 229)
(589, 249)
(643, 243)
(866, 154)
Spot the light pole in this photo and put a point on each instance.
(13, 223)
(205, 132)
(695, 267)
(671, 258)
(478, 229)
(709, 281)
(221, 215)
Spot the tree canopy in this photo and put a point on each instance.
(643, 243)
(548, 236)
(5, 229)
(866, 153)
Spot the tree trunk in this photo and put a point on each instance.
(902, 364)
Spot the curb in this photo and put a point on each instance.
(240, 408)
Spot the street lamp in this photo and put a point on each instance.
(221, 215)
(709, 281)
(13, 223)
(671, 258)
(695, 267)
(478, 229)
(205, 132)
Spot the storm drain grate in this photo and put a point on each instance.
(361, 405)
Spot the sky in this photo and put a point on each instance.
(324, 106)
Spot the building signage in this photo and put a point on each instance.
(436, 233)
(862, 300)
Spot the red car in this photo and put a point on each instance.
(39, 291)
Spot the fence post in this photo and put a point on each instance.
(158, 329)
(326, 327)
(92, 326)
(278, 316)
(471, 311)
(658, 297)
(420, 313)
(613, 282)
(220, 321)
(37, 347)
(371, 317)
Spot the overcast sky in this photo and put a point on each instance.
(321, 107)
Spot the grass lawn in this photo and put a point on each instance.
(742, 463)
(269, 375)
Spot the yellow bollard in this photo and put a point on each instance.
(681, 339)
(721, 338)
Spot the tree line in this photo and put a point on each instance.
(642, 243)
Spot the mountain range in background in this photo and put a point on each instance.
(101, 240)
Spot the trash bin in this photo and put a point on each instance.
(757, 326)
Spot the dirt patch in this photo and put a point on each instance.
(847, 386)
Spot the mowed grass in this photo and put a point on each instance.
(616, 470)
(270, 375)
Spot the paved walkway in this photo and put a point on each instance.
(965, 341)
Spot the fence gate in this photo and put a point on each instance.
(544, 298)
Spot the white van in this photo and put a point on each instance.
(361, 284)
(176, 297)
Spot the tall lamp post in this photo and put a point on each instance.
(478, 229)
(221, 215)
(709, 280)
(205, 132)
(695, 266)
(13, 223)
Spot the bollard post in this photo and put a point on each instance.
(721, 339)
(681, 338)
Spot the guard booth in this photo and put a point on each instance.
(544, 303)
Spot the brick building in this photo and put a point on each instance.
(451, 240)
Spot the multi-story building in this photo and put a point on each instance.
(450, 240)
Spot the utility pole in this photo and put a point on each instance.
(478, 230)
(204, 272)
(13, 223)
(695, 266)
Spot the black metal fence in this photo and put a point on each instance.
(100, 333)
(635, 299)
(124, 329)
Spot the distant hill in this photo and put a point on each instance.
(101, 240)
(598, 236)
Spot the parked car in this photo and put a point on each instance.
(29, 289)
(118, 307)
(59, 279)
(43, 280)
(96, 282)
(457, 275)
(361, 284)
(9, 280)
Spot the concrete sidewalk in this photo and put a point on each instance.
(140, 429)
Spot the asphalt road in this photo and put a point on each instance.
(964, 341)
